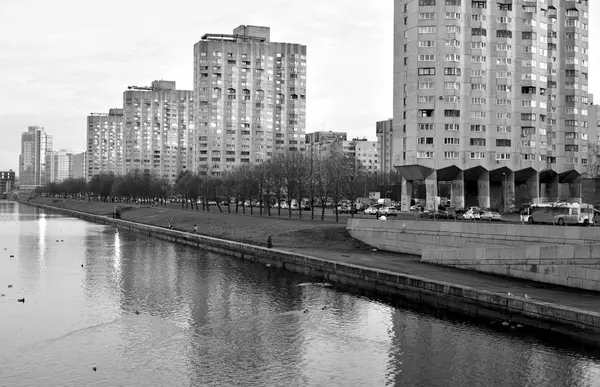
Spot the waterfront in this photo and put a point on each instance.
(207, 319)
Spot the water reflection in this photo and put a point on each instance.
(205, 319)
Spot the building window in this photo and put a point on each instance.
(427, 71)
(451, 113)
(477, 155)
(452, 71)
(452, 127)
(502, 156)
(426, 127)
(477, 128)
(451, 141)
(451, 155)
(425, 155)
(502, 142)
(477, 141)
(425, 141)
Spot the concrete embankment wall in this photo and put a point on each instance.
(576, 266)
(578, 324)
(413, 237)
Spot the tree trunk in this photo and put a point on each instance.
(323, 210)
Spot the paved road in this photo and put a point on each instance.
(330, 215)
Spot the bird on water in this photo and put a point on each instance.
(10, 286)
(94, 369)
(21, 300)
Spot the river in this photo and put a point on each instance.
(146, 312)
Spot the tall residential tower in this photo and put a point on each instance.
(35, 159)
(104, 143)
(492, 96)
(249, 98)
(158, 130)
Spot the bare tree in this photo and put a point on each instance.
(353, 173)
(289, 172)
(337, 180)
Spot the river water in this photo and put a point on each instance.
(210, 320)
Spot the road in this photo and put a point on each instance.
(330, 215)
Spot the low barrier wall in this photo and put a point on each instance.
(578, 324)
(413, 236)
(567, 265)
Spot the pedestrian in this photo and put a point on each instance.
(195, 228)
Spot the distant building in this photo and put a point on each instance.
(367, 153)
(7, 181)
(80, 166)
(35, 159)
(318, 144)
(249, 98)
(158, 134)
(104, 143)
(62, 165)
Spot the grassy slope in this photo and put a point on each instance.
(286, 233)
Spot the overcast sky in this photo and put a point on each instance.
(62, 59)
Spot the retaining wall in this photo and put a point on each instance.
(578, 324)
(567, 265)
(413, 236)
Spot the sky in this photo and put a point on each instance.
(63, 59)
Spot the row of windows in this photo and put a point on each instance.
(474, 128)
(501, 142)
(501, 157)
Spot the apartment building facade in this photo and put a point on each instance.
(367, 154)
(104, 143)
(158, 129)
(7, 181)
(80, 165)
(249, 98)
(62, 165)
(491, 95)
(318, 145)
(35, 159)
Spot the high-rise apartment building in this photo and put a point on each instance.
(80, 165)
(249, 98)
(104, 143)
(491, 95)
(158, 132)
(35, 158)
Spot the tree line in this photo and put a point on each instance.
(289, 177)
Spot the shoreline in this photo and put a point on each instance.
(578, 324)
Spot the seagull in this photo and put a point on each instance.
(519, 326)
(510, 294)
(505, 324)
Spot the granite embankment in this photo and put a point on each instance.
(558, 255)
(401, 277)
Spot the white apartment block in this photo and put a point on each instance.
(385, 142)
(367, 154)
(104, 143)
(158, 130)
(491, 95)
(249, 98)
(62, 165)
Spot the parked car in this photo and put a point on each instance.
(371, 210)
(491, 215)
(388, 211)
(417, 207)
(343, 209)
(471, 214)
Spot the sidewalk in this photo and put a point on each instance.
(411, 265)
